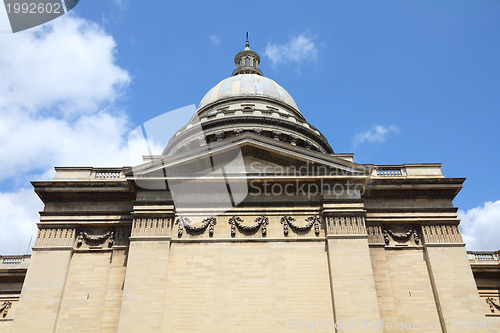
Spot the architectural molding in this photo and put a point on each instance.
(89, 196)
(441, 233)
(345, 225)
(149, 227)
(410, 194)
(375, 235)
(55, 237)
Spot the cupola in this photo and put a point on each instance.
(247, 61)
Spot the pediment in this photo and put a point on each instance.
(250, 155)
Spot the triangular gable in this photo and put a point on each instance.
(259, 154)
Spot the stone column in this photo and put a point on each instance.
(44, 283)
(144, 293)
(351, 275)
(453, 284)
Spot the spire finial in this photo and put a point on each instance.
(247, 61)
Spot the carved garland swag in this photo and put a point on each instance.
(4, 308)
(492, 304)
(401, 236)
(95, 240)
(237, 222)
(289, 221)
(185, 223)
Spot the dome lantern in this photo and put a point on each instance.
(247, 61)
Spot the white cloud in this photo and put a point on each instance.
(214, 40)
(296, 50)
(481, 227)
(39, 143)
(58, 91)
(376, 134)
(68, 64)
(18, 218)
(4, 23)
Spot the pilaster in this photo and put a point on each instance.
(144, 293)
(455, 290)
(44, 283)
(351, 274)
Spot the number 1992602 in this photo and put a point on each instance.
(33, 8)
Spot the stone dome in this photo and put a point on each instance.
(247, 85)
(248, 102)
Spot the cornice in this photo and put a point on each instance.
(412, 210)
(86, 196)
(396, 193)
(381, 183)
(243, 98)
(229, 124)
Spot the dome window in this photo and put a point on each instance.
(248, 107)
(254, 63)
(247, 61)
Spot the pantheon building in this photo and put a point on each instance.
(250, 222)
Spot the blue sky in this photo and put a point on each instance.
(392, 81)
